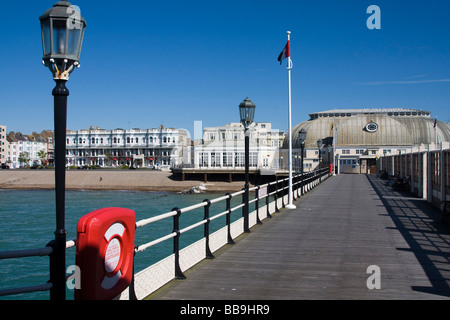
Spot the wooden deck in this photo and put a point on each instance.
(322, 250)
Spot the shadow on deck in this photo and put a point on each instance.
(420, 224)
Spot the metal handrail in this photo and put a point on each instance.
(14, 254)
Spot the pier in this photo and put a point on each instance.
(323, 249)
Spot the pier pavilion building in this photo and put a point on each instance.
(363, 135)
(159, 148)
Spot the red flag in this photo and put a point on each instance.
(286, 52)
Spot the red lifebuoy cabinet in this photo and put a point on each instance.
(104, 253)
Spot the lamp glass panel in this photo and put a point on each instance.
(74, 42)
(46, 41)
(59, 36)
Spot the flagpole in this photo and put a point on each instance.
(290, 205)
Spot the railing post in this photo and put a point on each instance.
(176, 244)
(276, 196)
(301, 183)
(294, 183)
(257, 205)
(230, 239)
(282, 193)
(208, 252)
(267, 202)
(245, 209)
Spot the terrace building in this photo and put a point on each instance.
(139, 148)
(25, 150)
(3, 145)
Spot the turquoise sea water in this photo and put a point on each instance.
(27, 221)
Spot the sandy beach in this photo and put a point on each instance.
(109, 180)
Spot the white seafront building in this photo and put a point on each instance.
(25, 150)
(159, 148)
(223, 148)
(3, 145)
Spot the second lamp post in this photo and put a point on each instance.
(247, 114)
(62, 29)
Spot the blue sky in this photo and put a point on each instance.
(148, 63)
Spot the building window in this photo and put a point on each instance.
(253, 159)
(215, 159)
(203, 159)
(227, 159)
(239, 160)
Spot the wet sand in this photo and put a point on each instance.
(138, 180)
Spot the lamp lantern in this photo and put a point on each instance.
(302, 136)
(62, 29)
(247, 112)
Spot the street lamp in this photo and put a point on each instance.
(319, 145)
(302, 138)
(247, 113)
(62, 29)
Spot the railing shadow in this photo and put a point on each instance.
(419, 223)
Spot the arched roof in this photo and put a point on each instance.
(394, 127)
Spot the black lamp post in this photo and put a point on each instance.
(62, 29)
(302, 138)
(319, 145)
(247, 113)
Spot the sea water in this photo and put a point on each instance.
(28, 221)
